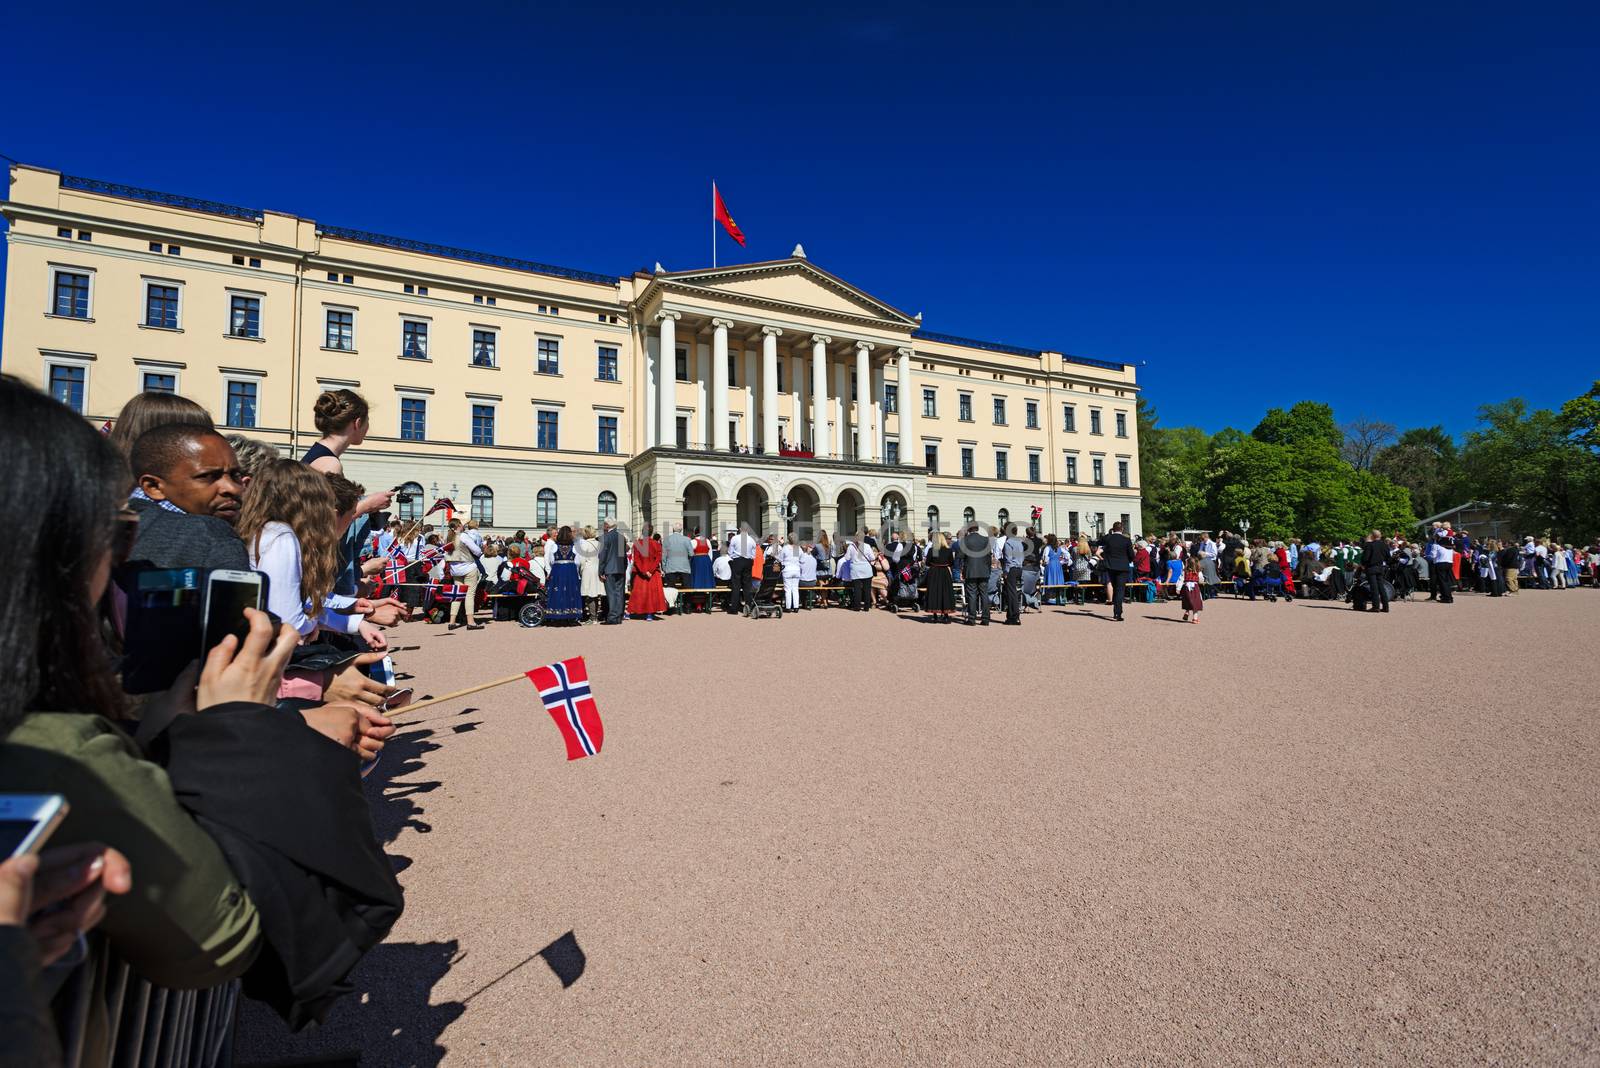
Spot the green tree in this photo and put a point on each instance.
(1253, 481)
(1540, 462)
(1305, 421)
(1426, 462)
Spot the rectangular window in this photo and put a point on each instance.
(891, 452)
(341, 332)
(422, 291)
(999, 411)
(1069, 418)
(241, 404)
(414, 340)
(780, 376)
(1072, 523)
(1094, 420)
(608, 434)
(549, 430)
(1122, 473)
(891, 399)
(966, 463)
(1126, 525)
(244, 317)
(413, 419)
(606, 363)
(255, 261)
(683, 431)
(1072, 470)
(1031, 410)
(1122, 424)
(930, 403)
(549, 356)
(930, 458)
(161, 306)
(733, 433)
(483, 424)
(174, 250)
(733, 370)
(483, 348)
(1033, 467)
(853, 386)
(159, 382)
(964, 407)
(67, 384)
(680, 365)
(1099, 471)
(1002, 466)
(72, 295)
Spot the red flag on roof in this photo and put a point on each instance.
(721, 211)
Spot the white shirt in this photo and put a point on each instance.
(808, 567)
(279, 558)
(742, 547)
(720, 568)
(789, 559)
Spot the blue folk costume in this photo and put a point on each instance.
(1055, 570)
(563, 599)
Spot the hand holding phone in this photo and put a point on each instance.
(28, 820)
(247, 671)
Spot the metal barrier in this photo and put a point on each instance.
(114, 1019)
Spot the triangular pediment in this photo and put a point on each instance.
(793, 283)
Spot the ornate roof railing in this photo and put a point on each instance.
(1014, 350)
(150, 196)
(488, 258)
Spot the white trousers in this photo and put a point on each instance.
(791, 592)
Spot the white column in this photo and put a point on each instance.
(866, 423)
(880, 417)
(769, 389)
(701, 434)
(819, 393)
(841, 394)
(652, 368)
(667, 381)
(719, 384)
(797, 413)
(752, 366)
(908, 407)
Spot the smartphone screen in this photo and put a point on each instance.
(228, 594)
(12, 834)
(163, 624)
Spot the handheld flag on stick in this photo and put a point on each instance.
(446, 505)
(564, 688)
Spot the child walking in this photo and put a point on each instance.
(1193, 602)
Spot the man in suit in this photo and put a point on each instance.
(741, 559)
(1375, 562)
(613, 566)
(1012, 550)
(1116, 557)
(675, 551)
(976, 561)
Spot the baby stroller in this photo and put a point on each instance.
(906, 594)
(1360, 595)
(1030, 589)
(768, 600)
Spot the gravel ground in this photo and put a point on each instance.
(1290, 835)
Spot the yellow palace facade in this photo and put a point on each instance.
(772, 393)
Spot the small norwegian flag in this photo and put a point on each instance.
(453, 591)
(394, 572)
(564, 688)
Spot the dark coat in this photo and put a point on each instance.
(613, 553)
(174, 539)
(1118, 551)
(976, 563)
(285, 804)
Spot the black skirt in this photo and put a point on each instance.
(941, 597)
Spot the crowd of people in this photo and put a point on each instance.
(217, 827)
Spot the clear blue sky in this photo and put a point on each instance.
(1258, 202)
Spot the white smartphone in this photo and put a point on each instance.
(228, 594)
(28, 820)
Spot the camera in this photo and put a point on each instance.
(404, 498)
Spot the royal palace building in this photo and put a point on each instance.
(773, 393)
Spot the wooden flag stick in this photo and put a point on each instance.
(408, 709)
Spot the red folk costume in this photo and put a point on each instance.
(646, 597)
(1288, 572)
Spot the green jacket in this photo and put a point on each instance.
(187, 924)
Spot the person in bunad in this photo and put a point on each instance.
(645, 596)
(590, 586)
(941, 591)
(700, 555)
(1055, 567)
(789, 562)
(563, 597)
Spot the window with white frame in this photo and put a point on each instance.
(1072, 469)
(244, 316)
(414, 339)
(158, 381)
(243, 397)
(549, 356)
(964, 407)
(161, 305)
(891, 398)
(413, 418)
(69, 383)
(341, 330)
(1094, 420)
(1099, 467)
(482, 423)
(483, 505)
(606, 363)
(70, 289)
(1122, 424)
(607, 434)
(1122, 473)
(605, 506)
(1033, 467)
(1002, 465)
(549, 429)
(1069, 418)
(1030, 411)
(930, 402)
(408, 503)
(544, 513)
(483, 346)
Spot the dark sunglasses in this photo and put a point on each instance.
(124, 530)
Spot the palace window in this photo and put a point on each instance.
(605, 506)
(1122, 473)
(161, 306)
(159, 382)
(244, 317)
(964, 407)
(241, 407)
(71, 295)
(483, 424)
(549, 356)
(1002, 465)
(891, 399)
(733, 370)
(544, 512)
(966, 463)
(1094, 420)
(1033, 467)
(681, 431)
(608, 434)
(483, 344)
(67, 385)
(999, 411)
(1122, 424)
(1072, 470)
(891, 452)
(930, 458)
(606, 363)
(549, 430)
(1031, 411)
(1099, 466)
(409, 510)
(414, 340)
(1069, 418)
(930, 403)
(680, 365)
(413, 419)
(933, 517)
(1005, 519)
(483, 505)
(341, 332)
(968, 516)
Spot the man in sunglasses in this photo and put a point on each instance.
(187, 497)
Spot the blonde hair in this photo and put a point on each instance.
(288, 492)
(939, 540)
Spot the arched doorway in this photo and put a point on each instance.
(801, 513)
(699, 508)
(892, 512)
(752, 509)
(851, 507)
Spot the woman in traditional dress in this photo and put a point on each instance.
(591, 586)
(563, 597)
(700, 576)
(1055, 567)
(646, 599)
(941, 591)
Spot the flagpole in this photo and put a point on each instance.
(408, 709)
(713, 225)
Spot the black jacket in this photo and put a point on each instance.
(175, 539)
(1374, 554)
(1118, 551)
(286, 805)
